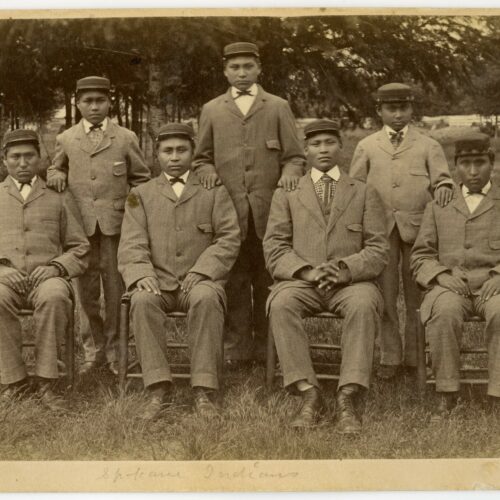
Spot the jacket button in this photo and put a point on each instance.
(177, 228)
(178, 254)
(394, 209)
(395, 185)
(93, 177)
(467, 246)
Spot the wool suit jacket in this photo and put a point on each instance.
(44, 228)
(405, 178)
(100, 178)
(166, 237)
(452, 239)
(249, 152)
(298, 235)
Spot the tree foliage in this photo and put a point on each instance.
(324, 65)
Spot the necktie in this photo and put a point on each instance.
(396, 138)
(328, 189)
(25, 189)
(173, 180)
(242, 92)
(480, 193)
(96, 134)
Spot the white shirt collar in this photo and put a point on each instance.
(184, 176)
(334, 173)
(253, 90)
(390, 130)
(484, 191)
(18, 184)
(87, 125)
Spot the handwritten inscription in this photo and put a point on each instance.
(233, 472)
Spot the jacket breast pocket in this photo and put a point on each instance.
(273, 144)
(119, 168)
(494, 243)
(206, 228)
(356, 228)
(418, 168)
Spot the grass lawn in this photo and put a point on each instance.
(102, 424)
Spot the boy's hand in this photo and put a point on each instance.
(57, 181)
(336, 275)
(453, 283)
(18, 281)
(289, 182)
(42, 273)
(443, 195)
(311, 275)
(149, 284)
(490, 288)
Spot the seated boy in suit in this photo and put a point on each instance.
(179, 242)
(456, 259)
(42, 246)
(325, 244)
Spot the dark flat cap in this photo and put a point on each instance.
(241, 48)
(20, 136)
(175, 129)
(93, 83)
(473, 144)
(322, 126)
(394, 92)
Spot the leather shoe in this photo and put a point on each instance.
(388, 372)
(309, 410)
(158, 399)
(348, 419)
(49, 399)
(446, 401)
(204, 403)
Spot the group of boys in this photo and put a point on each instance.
(247, 229)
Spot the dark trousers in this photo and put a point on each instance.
(98, 333)
(247, 290)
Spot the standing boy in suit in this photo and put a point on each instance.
(247, 139)
(99, 161)
(456, 258)
(325, 243)
(179, 241)
(407, 169)
(42, 246)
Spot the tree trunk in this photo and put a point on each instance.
(68, 109)
(155, 115)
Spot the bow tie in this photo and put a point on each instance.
(243, 92)
(22, 184)
(173, 180)
(95, 127)
(396, 136)
(472, 192)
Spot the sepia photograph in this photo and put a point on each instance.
(249, 249)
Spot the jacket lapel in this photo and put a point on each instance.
(307, 196)
(384, 143)
(343, 195)
(407, 142)
(458, 202)
(11, 188)
(37, 191)
(165, 188)
(83, 140)
(190, 189)
(258, 103)
(109, 134)
(231, 105)
(487, 203)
